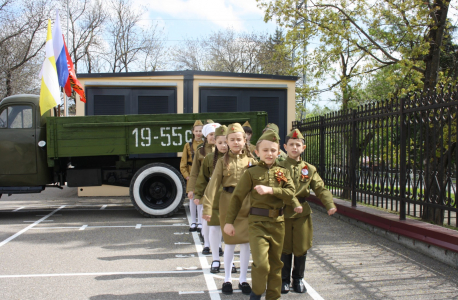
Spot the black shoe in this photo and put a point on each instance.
(227, 288)
(221, 252)
(206, 251)
(193, 227)
(285, 287)
(253, 296)
(298, 286)
(216, 268)
(199, 227)
(245, 287)
(234, 269)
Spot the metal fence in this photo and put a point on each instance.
(398, 154)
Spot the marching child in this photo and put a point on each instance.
(269, 187)
(186, 164)
(207, 147)
(249, 134)
(227, 173)
(206, 171)
(298, 226)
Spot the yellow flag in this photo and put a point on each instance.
(49, 92)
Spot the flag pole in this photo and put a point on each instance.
(65, 95)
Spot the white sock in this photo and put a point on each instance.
(244, 261)
(228, 260)
(192, 210)
(214, 237)
(200, 209)
(205, 233)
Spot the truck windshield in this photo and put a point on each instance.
(17, 116)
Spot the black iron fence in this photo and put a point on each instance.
(399, 154)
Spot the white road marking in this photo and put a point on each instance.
(35, 221)
(6, 241)
(312, 293)
(181, 243)
(113, 226)
(83, 227)
(45, 215)
(19, 208)
(191, 292)
(104, 206)
(182, 255)
(99, 274)
(138, 226)
(211, 285)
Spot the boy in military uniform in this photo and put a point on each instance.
(269, 187)
(281, 154)
(298, 226)
(186, 165)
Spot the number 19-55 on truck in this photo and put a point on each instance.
(136, 151)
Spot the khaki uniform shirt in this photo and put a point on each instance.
(261, 174)
(303, 186)
(205, 174)
(196, 164)
(186, 158)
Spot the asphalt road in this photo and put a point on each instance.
(55, 245)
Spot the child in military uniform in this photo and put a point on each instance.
(249, 133)
(227, 173)
(205, 174)
(298, 226)
(269, 187)
(186, 163)
(207, 147)
(272, 126)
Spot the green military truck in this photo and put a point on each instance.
(136, 151)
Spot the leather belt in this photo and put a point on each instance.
(273, 213)
(229, 189)
(189, 163)
(301, 200)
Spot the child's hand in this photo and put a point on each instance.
(187, 178)
(332, 211)
(190, 195)
(262, 189)
(298, 209)
(206, 217)
(196, 201)
(229, 229)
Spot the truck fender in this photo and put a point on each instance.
(157, 190)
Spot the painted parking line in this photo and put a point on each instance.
(211, 285)
(6, 241)
(100, 274)
(103, 206)
(19, 208)
(312, 293)
(138, 226)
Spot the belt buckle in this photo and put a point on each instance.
(273, 213)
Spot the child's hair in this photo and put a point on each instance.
(247, 129)
(215, 158)
(226, 155)
(287, 138)
(260, 141)
(202, 149)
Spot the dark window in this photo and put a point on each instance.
(153, 105)
(221, 103)
(267, 104)
(109, 105)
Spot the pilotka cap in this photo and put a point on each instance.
(296, 134)
(221, 131)
(235, 127)
(270, 135)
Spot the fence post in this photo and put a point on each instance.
(322, 146)
(353, 158)
(403, 158)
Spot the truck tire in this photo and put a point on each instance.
(157, 190)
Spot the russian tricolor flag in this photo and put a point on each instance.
(59, 52)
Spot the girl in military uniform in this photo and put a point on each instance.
(227, 173)
(185, 165)
(249, 133)
(268, 187)
(207, 147)
(205, 174)
(298, 227)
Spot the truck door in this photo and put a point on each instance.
(17, 140)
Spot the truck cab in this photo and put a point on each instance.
(23, 164)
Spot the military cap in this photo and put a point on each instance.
(246, 124)
(235, 127)
(270, 135)
(198, 123)
(210, 121)
(221, 131)
(271, 126)
(295, 134)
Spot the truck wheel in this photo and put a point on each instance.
(157, 190)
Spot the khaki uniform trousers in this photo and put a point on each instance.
(266, 243)
(298, 235)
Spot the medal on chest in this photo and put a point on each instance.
(279, 175)
(305, 173)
